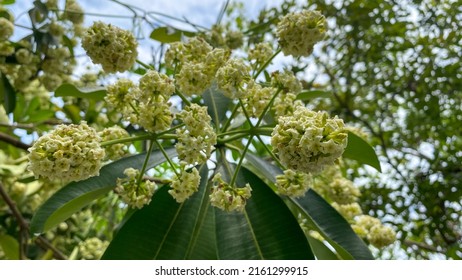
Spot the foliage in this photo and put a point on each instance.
(222, 149)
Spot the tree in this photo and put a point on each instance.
(206, 154)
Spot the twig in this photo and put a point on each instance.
(13, 141)
(24, 230)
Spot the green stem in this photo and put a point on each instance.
(167, 158)
(147, 66)
(232, 138)
(273, 156)
(228, 121)
(145, 163)
(232, 132)
(241, 160)
(146, 136)
(268, 106)
(266, 64)
(185, 100)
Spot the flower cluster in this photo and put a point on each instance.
(145, 104)
(92, 248)
(299, 32)
(257, 99)
(134, 192)
(228, 198)
(110, 46)
(348, 211)
(185, 185)
(69, 153)
(197, 64)
(114, 151)
(6, 29)
(260, 54)
(308, 141)
(233, 78)
(197, 139)
(294, 184)
(376, 233)
(73, 12)
(343, 191)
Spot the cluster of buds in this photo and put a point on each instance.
(133, 190)
(229, 198)
(68, 153)
(114, 48)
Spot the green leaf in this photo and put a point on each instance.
(320, 250)
(217, 104)
(167, 34)
(7, 94)
(332, 226)
(10, 246)
(72, 112)
(359, 150)
(308, 95)
(263, 167)
(322, 217)
(165, 229)
(76, 195)
(96, 93)
(7, 2)
(266, 230)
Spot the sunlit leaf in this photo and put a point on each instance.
(10, 247)
(320, 250)
(168, 34)
(96, 93)
(359, 150)
(165, 229)
(74, 196)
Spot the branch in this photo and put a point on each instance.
(422, 245)
(24, 230)
(13, 141)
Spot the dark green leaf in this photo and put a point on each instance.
(265, 168)
(308, 95)
(217, 104)
(168, 34)
(40, 116)
(96, 93)
(7, 94)
(361, 151)
(72, 197)
(266, 230)
(165, 229)
(332, 226)
(10, 247)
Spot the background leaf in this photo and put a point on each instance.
(308, 95)
(217, 104)
(167, 34)
(165, 229)
(359, 150)
(74, 196)
(10, 246)
(7, 94)
(266, 230)
(332, 226)
(96, 93)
